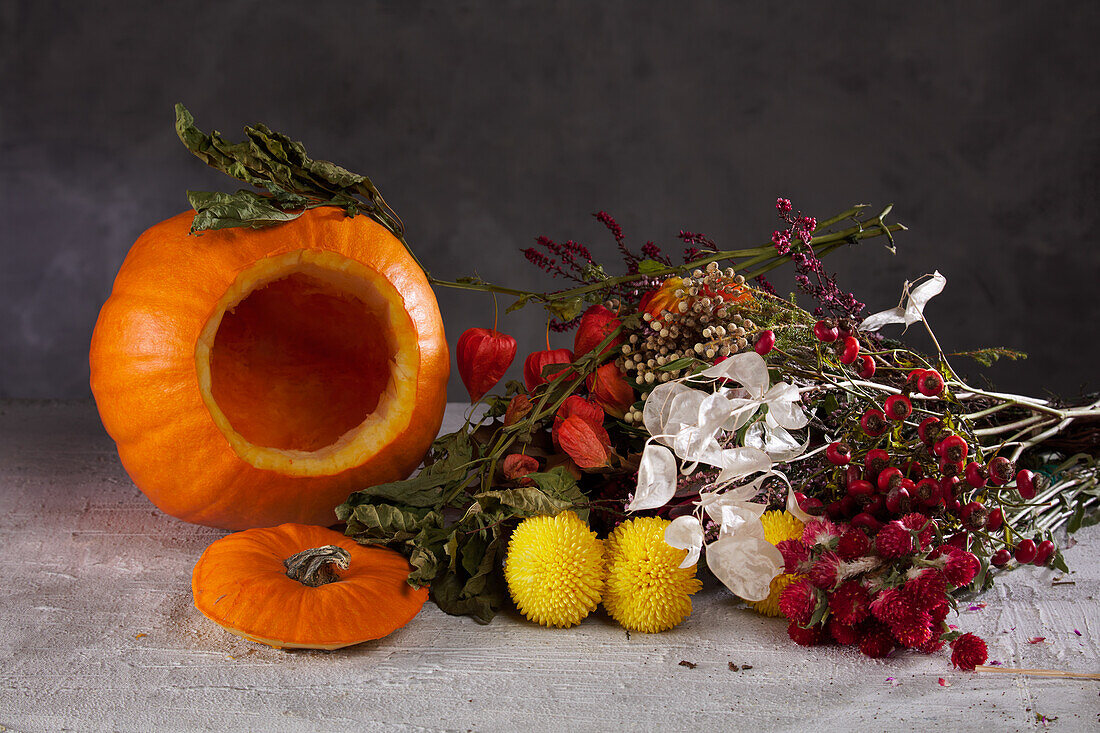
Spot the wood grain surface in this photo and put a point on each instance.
(98, 632)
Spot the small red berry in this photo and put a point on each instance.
(976, 474)
(765, 342)
(888, 479)
(838, 453)
(897, 501)
(950, 468)
(930, 383)
(928, 493)
(898, 407)
(826, 331)
(960, 540)
(866, 367)
(1025, 551)
(850, 350)
(852, 473)
(953, 448)
(1001, 557)
(947, 487)
(877, 507)
(873, 423)
(974, 515)
(1043, 553)
(929, 429)
(996, 520)
(861, 489)
(876, 460)
(1025, 484)
(912, 470)
(866, 521)
(1000, 471)
(913, 378)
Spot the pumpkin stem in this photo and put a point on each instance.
(313, 567)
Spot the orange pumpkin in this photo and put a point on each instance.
(256, 377)
(278, 586)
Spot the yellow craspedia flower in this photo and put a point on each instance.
(778, 526)
(554, 569)
(647, 590)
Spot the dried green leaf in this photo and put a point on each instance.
(647, 267)
(987, 356)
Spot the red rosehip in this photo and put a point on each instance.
(876, 460)
(975, 474)
(913, 378)
(930, 383)
(898, 407)
(810, 504)
(928, 493)
(1025, 551)
(961, 540)
(897, 501)
(912, 470)
(1043, 553)
(889, 478)
(873, 423)
(838, 453)
(953, 448)
(861, 488)
(866, 521)
(929, 430)
(877, 507)
(974, 515)
(1001, 558)
(852, 473)
(826, 331)
(765, 342)
(996, 520)
(850, 350)
(866, 367)
(1025, 484)
(1000, 471)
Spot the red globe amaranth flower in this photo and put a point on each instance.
(517, 465)
(961, 567)
(968, 651)
(893, 541)
(804, 637)
(919, 523)
(825, 571)
(819, 532)
(538, 361)
(610, 390)
(798, 600)
(931, 646)
(850, 603)
(891, 605)
(927, 589)
(842, 633)
(483, 356)
(877, 641)
(853, 544)
(597, 323)
(796, 556)
(913, 630)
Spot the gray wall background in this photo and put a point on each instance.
(486, 124)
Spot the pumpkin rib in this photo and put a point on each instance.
(145, 377)
(240, 584)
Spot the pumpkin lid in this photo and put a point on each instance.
(332, 593)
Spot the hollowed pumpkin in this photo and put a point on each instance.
(256, 377)
(302, 587)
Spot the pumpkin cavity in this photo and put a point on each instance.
(302, 361)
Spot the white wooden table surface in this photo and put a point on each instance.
(98, 632)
